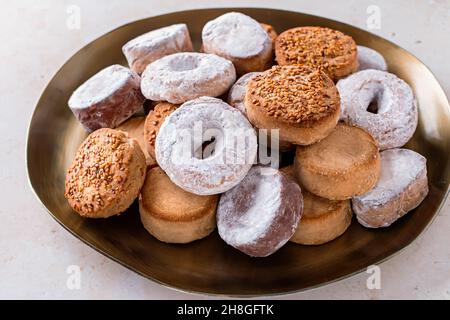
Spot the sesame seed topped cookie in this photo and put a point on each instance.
(326, 49)
(106, 175)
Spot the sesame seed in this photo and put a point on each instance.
(321, 48)
(102, 157)
(294, 93)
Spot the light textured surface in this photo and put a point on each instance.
(184, 76)
(180, 159)
(249, 215)
(35, 251)
(370, 59)
(156, 44)
(396, 118)
(244, 39)
(236, 94)
(402, 186)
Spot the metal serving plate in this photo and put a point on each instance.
(209, 265)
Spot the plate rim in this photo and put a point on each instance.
(197, 292)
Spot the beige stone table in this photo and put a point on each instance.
(35, 251)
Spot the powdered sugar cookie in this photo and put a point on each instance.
(151, 46)
(240, 39)
(402, 187)
(236, 94)
(261, 214)
(184, 76)
(370, 59)
(181, 137)
(107, 99)
(393, 120)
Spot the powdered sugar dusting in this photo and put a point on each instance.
(108, 98)
(100, 86)
(261, 214)
(370, 59)
(155, 44)
(236, 95)
(401, 169)
(396, 120)
(263, 204)
(180, 77)
(237, 35)
(218, 172)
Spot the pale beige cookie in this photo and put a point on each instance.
(343, 165)
(323, 220)
(173, 215)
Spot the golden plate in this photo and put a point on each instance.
(209, 265)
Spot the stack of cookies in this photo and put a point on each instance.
(331, 101)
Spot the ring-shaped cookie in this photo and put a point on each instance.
(180, 140)
(184, 76)
(393, 120)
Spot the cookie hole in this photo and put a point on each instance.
(373, 106)
(374, 99)
(181, 65)
(208, 143)
(207, 149)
